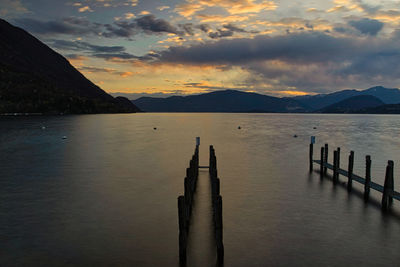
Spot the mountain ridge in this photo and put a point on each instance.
(35, 78)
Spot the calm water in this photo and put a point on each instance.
(106, 195)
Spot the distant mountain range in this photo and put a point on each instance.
(220, 101)
(353, 104)
(346, 101)
(36, 79)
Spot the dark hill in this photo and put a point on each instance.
(353, 104)
(219, 101)
(384, 109)
(318, 102)
(34, 78)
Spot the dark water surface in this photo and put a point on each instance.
(106, 195)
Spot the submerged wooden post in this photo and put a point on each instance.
(321, 170)
(388, 187)
(335, 154)
(350, 171)
(338, 164)
(326, 158)
(367, 184)
(219, 230)
(182, 230)
(311, 156)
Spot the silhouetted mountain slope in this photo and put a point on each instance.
(317, 102)
(219, 101)
(353, 104)
(384, 109)
(34, 78)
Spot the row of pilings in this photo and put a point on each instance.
(387, 189)
(185, 204)
(216, 206)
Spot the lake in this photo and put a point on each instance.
(107, 194)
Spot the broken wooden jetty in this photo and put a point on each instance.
(387, 190)
(185, 204)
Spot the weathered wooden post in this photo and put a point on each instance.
(388, 187)
(326, 158)
(335, 156)
(311, 156)
(367, 184)
(337, 164)
(219, 230)
(321, 170)
(182, 230)
(350, 171)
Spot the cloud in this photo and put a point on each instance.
(70, 26)
(233, 7)
(84, 46)
(12, 8)
(148, 24)
(89, 69)
(84, 9)
(161, 8)
(367, 26)
(302, 61)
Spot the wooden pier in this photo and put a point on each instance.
(387, 190)
(185, 204)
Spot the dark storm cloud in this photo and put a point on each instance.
(77, 26)
(104, 52)
(233, 28)
(84, 46)
(71, 26)
(226, 31)
(220, 33)
(148, 24)
(204, 28)
(367, 26)
(301, 47)
(151, 24)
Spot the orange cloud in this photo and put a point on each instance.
(233, 7)
(126, 74)
(220, 18)
(84, 9)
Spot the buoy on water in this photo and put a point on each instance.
(43, 127)
(64, 137)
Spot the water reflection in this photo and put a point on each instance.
(107, 194)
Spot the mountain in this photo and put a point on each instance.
(36, 79)
(384, 109)
(353, 104)
(219, 101)
(318, 102)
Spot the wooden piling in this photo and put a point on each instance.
(326, 158)
(367, 184)
(338, 164)
(321, 170)
(219, 230)
(388, 187)
(335, 169)
(350, 171)
(182, 230)
(311, 156)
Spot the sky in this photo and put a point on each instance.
(180, 47)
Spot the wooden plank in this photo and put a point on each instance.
(361, 180)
